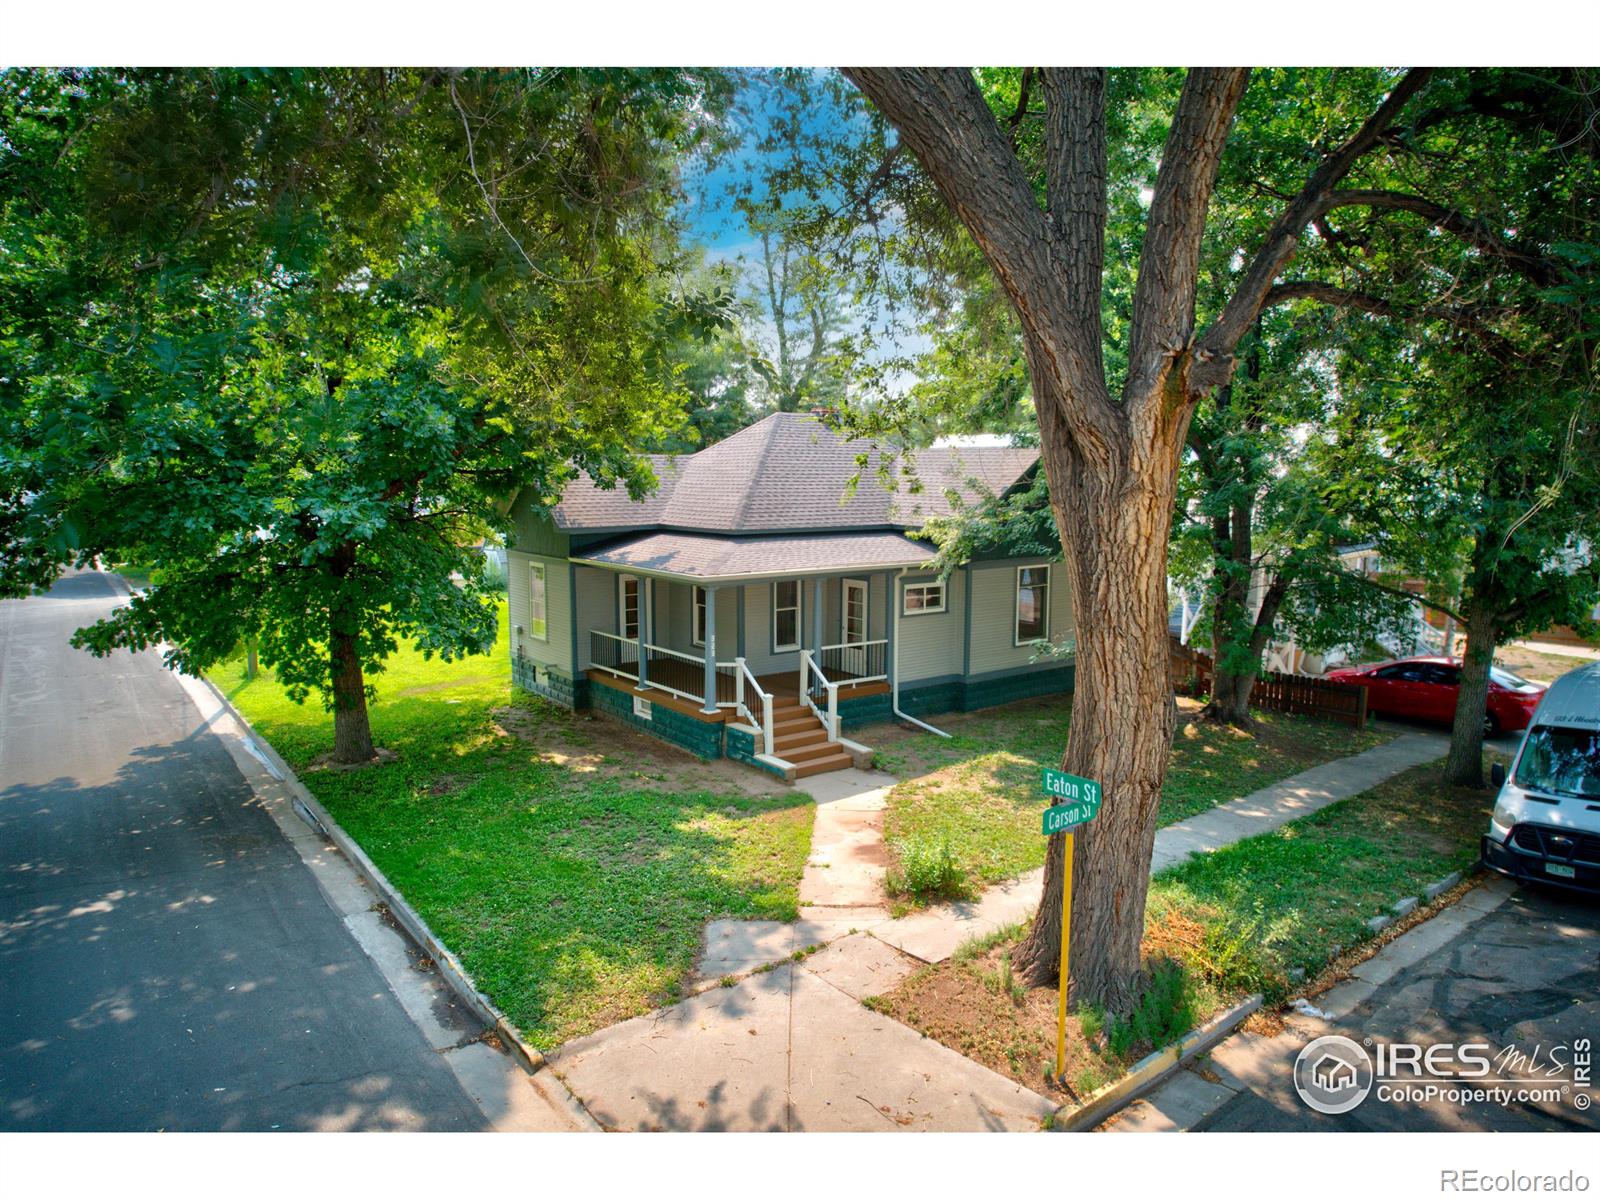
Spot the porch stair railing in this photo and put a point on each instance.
(747, 680)
(814, 686)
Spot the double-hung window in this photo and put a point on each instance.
(628, 606)
(538, 603)
(1033, 604)
(923, 598)
(785, 614)
(699, 632)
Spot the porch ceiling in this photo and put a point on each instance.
(704, 558)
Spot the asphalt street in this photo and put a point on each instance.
(1525, 978)
(166, 959)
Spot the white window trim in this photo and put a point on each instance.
(866, 611)
(697, 633)
(538, 593)
(944, 598)
(799, 615)
(622, 604)
(1016, 604)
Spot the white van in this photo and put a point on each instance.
(1546, 821)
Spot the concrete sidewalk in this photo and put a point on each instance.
(791, 1046)
(791, 1049)
(1290, 799)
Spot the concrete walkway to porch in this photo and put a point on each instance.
(791, 1046)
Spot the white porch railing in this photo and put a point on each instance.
(813, 683)
(619, 656)
(857, 662)
(746, 678)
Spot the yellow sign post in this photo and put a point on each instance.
(1083, 798)
(1066, 949)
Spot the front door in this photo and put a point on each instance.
(853, 618)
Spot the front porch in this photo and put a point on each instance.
(657, 639)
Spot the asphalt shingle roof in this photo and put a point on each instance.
(703, 556)
(791, 472)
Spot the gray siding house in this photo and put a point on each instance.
(759, 607)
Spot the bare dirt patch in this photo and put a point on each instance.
(977, 1009)
(324, 762)
(592, 747)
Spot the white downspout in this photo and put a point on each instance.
(894, 670)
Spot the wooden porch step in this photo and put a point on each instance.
(805, 754)
(817, 766)
(799, 733)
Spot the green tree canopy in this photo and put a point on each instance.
(297, 338)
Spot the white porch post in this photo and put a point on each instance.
(647, 590)
(890, 601)
(711, 650)
(816, 619)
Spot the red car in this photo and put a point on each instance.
(1424, 689)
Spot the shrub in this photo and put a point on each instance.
(927, 870)
(1165, 1012)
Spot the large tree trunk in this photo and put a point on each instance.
(1111, 461)
(1115, 534)
(1465, 764)
(1230, 697)
(352, 734)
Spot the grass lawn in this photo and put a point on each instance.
(1294, 898)
(1217, 928)
(569, 862)
(983, 802)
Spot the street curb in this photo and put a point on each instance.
(1407, 905)
(1152, 1070)
(310, 810)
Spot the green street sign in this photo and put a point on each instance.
(1065, 816)
(1082, 798)
(1070, 788)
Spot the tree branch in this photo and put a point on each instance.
(1075, 188)
(1215, 346)
(1022, 106)
(1475, 233)
(941, 115)
(1169, 263)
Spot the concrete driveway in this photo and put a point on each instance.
(167, 961)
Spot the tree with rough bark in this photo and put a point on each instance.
(1468, 378)
(1479, 468)
(296, 337)
(1112, 445)
(1255, 534)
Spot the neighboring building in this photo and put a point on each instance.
(773, 606)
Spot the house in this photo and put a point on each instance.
(767, 598)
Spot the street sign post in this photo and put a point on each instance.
(1081, 802)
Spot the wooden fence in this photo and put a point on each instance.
(1305, 695)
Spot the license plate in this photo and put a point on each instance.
(1560, 870)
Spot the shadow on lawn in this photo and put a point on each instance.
(575, 901)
